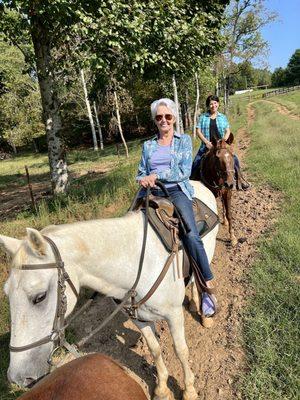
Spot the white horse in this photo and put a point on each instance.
(102, 255)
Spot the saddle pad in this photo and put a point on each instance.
(206, 220)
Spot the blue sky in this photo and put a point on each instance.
(283, 35)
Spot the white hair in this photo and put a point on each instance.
(163, 102)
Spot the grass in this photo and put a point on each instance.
(291, 101)
(271, 334)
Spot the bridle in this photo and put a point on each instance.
(220, 175)
(57, 335)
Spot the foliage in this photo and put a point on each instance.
(117, 43)
(293, 69)
(289, 76)
(20, 107)
(279, 77)
(246, 76)
(245, 18)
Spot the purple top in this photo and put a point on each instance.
(161, 160)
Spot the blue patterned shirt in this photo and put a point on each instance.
(180, 163)
(203, 125)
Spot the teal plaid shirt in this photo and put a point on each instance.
(180, 164)
(204, 121)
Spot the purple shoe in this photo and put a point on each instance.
(209, 304)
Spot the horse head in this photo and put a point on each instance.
(33, 301)
(224, 162)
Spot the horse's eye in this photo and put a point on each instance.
(39, 298)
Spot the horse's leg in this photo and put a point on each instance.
(194, 305)
(161, 392)
(176, 325)
(225, 221)
(227, 202)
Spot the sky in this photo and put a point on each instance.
(283, 35)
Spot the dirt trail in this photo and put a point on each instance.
(216, 354)
(284, 110)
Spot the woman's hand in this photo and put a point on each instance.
(148, 180)
(209, 145)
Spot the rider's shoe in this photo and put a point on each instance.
(208, 305)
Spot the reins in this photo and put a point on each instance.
(57, 335)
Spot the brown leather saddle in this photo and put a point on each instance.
(167, 226)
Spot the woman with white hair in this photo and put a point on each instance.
(168, 158)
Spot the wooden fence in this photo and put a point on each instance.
(280, 91)
(275, 92)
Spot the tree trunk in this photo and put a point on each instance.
(98, 126)
(88, 107)
(50, 104)
(13, 146)
(196, 105)
(217, 88)
(225, 96)
(188, 109)
(119, 123)
(177, 104)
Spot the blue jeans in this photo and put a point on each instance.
(191, 240)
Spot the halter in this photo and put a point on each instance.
(57, 335)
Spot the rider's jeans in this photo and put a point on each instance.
(191, 240)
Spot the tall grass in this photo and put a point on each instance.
(271, 333)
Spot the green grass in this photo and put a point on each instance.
(271, 333)
(291, 101)
(12, 171)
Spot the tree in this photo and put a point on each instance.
(160, 39)
(293, 69)
(38, 24)
(20, 103)
(242, 32)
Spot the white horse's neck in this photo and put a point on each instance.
(102, 254)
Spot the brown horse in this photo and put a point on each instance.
(217, 172)
(91, 377)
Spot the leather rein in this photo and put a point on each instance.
(57, 335)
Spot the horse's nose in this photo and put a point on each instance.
(17, 379)
(229, 185)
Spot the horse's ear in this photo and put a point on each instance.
(36, 241)
(10, 245)
(230, 138)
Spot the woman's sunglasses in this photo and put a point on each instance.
(159, 117)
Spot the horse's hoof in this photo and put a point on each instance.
(207, 322)
(190, 394)
(193, 306)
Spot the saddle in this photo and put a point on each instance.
(167, 226)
